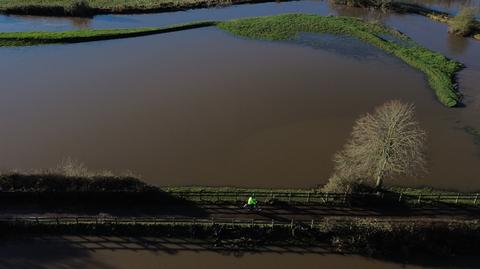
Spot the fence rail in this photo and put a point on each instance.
(266, 197)
(206, 221)
(321, 197)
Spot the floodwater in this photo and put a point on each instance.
(449, 6)
(107, 253)
(202, 107)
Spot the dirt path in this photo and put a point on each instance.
(279, 213)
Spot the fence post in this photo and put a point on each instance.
(289, 197)
(76, 220)
(419, 199)
(253, 222)
(326, 197)
(213, 221)
(345, 197)
(135, 220)
(312, 224)
(194, 221)
(291, 224)
(456, 200)
(36, 219)
(173, 221)
(58, 220)
(236, 196)
(273, 223)
(308, 197)
(475, 201)
(400, 197)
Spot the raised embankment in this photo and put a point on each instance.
(57, 189)
(381, 235)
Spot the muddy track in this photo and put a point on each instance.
(278, 213)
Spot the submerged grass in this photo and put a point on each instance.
(75, 36)
(439, 70)
(474, 132)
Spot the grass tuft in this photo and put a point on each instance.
(464, 23)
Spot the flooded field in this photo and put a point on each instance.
(202, 107)
(450, 6)
(106, 253)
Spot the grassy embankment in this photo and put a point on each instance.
(86, 8)
(55, 187)
(36, 38)
(439, 70)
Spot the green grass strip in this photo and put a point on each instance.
(15, 39)
(439, 70)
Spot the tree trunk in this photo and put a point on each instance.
(379, 182)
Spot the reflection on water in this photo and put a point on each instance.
(15, 23)
(457, 45)
(122, 252)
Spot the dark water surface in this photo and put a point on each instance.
(203, 107)
(114, 252)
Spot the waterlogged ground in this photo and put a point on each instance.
(115, 252)
(204, 107)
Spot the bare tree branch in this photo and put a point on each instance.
(386, 143)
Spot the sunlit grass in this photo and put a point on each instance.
(439, 70)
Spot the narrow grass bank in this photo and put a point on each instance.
(15, 39)
(88, 8)
(440, 71)
(366, 236)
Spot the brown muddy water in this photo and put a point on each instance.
(114, 252)
(202, 107)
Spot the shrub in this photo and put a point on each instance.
(79, 8)
(464, 23)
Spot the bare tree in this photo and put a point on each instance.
(385, 143)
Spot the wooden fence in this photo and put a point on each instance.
(205, 221)
(312, 197)
(238, 197)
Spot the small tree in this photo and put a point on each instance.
(383, 144)
(464, 23)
